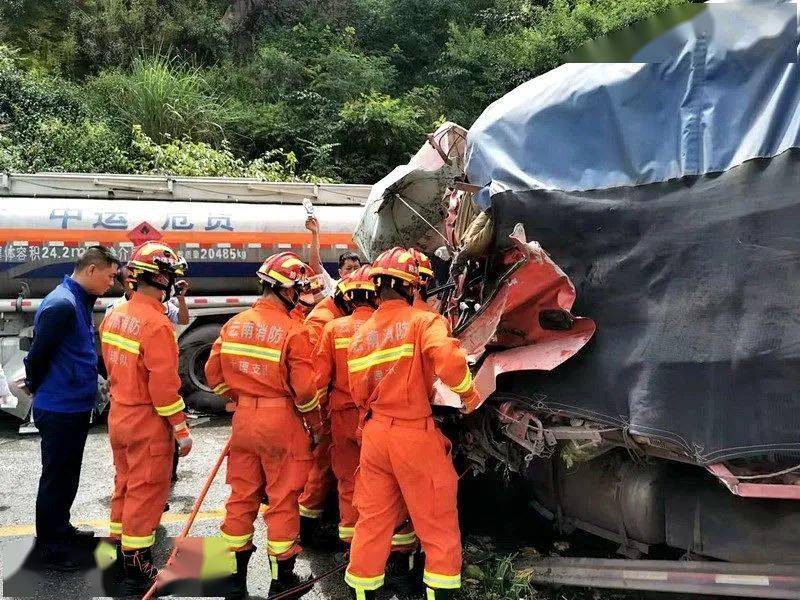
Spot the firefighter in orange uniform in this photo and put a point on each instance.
(147, 414)
(330, 308)
(392, 362)
(263, 359)
(332, 381)
(321, 479)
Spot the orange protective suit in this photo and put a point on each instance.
(141, 356)
(320, 478)
(333, 380)
(393, 361)
(264, 358)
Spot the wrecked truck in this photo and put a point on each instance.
(617, 249)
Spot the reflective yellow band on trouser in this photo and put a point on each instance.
(309, 512)
(279, 547)
(341, 343)
(444, 582)
(236, 541)
(464, 385)
(251, 351)
(363, 583)
(136, 542)
(404, 539)
(171, 409)
(114, 528)
(121, 342)
(346, 533)
(380, 357)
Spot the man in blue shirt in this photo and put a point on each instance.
(61, 373)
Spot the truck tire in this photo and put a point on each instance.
(195, 346)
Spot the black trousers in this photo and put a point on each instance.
(63, 440)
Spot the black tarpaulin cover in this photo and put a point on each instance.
(695, 288)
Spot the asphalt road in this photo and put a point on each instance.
(19, 472)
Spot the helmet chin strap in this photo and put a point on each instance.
(405, 291)
(289, 304)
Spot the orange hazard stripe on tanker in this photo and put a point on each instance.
(174, 237)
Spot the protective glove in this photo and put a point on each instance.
(183, 437)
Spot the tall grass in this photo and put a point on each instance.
(166, 96)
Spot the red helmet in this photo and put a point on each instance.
(358, 281)
(284, 270)
(398, 264)
(425, 265)
(156, 264)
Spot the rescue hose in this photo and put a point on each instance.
(196, 509)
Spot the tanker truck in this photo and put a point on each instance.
(223, 227)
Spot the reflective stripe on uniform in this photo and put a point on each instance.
(379, 357)
(136, 542)
(236, 541)
(279, 547)
(444, 582)
(404, 539)
(121, 342)
(171, 409)
(346, 533)
(465, 384)
(115, 528)
(311, 404)
(309, 513)
(251, 351)
(221, 389)
(341, 343)
(363, 583)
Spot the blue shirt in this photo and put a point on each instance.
(61, 365)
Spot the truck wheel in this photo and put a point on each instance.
(195, 346)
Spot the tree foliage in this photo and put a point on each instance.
(346, 88)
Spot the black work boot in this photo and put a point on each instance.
(238, 581)
(314, 536)
(402, 574)
(287, 579)
(140, 572)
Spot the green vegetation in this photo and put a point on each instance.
(333, 89)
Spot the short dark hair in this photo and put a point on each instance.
(98, 256)
(345, 256)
